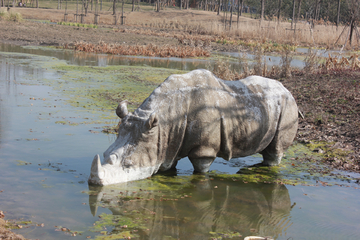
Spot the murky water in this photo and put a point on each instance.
(102, 60)
(46, 148)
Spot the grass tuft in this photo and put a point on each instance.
(10, 16)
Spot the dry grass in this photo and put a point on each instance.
(250, 30)
(200, 23)
(145, 50)
(11, 16)
(313, 65)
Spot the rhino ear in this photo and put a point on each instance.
(153, 121)
(121, 109)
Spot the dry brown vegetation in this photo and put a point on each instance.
(204, 23)
(144, 50)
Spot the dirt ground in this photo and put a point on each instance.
(330, 100)
(32, 32)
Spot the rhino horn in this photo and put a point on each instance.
(96, 167)
(122, 110)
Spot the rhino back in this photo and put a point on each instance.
(202, 114)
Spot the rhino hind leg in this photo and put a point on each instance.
(202, 165)
(284, 136)
(271, 159)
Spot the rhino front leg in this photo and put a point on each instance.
(202, 165)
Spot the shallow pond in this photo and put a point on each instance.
(52, 112)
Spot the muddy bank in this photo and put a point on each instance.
(7, 234)
(330, 102)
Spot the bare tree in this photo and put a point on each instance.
(338, 14)
(279, 10)
(262, 10)
(231, 13)
(354, 17)
(317, 10)
(86, 6)
(133, 5)
(293, 15)
(114, 7)
(298, 13)
(239, 11)
(218, 12)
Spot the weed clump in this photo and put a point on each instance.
(77, 24)
(10, 16)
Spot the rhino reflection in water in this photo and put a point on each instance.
(248, 209)
(203, 117)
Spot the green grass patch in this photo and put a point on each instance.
(77, 24)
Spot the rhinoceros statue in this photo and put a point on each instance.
(203, 117)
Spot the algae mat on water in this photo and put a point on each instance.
(102, 88)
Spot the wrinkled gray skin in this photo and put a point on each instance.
(203, 117)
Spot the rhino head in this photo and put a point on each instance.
(133, 155)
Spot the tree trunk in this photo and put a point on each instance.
(58, 7)
(86, 5)
(242, 7)
(352, 28)
(316, 9)
(158, 6)
(225, 4)
(298, 13)
(133, 5)
(218, 13)
(122, 13)
(114, 7)
(293, 15)
(279, 10)
(231, 13)
(299, 10)
(37, 3)
(262, 11)
(14, 3)
(338, 14)
(238, 13)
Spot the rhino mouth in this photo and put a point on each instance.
(112, 173)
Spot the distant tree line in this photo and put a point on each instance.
(331, 11)
(334, 11)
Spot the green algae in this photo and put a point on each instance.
(118, 225)
(102, 88)
(22, 163)
(300, 166)
(326, 149)
(226, 235)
